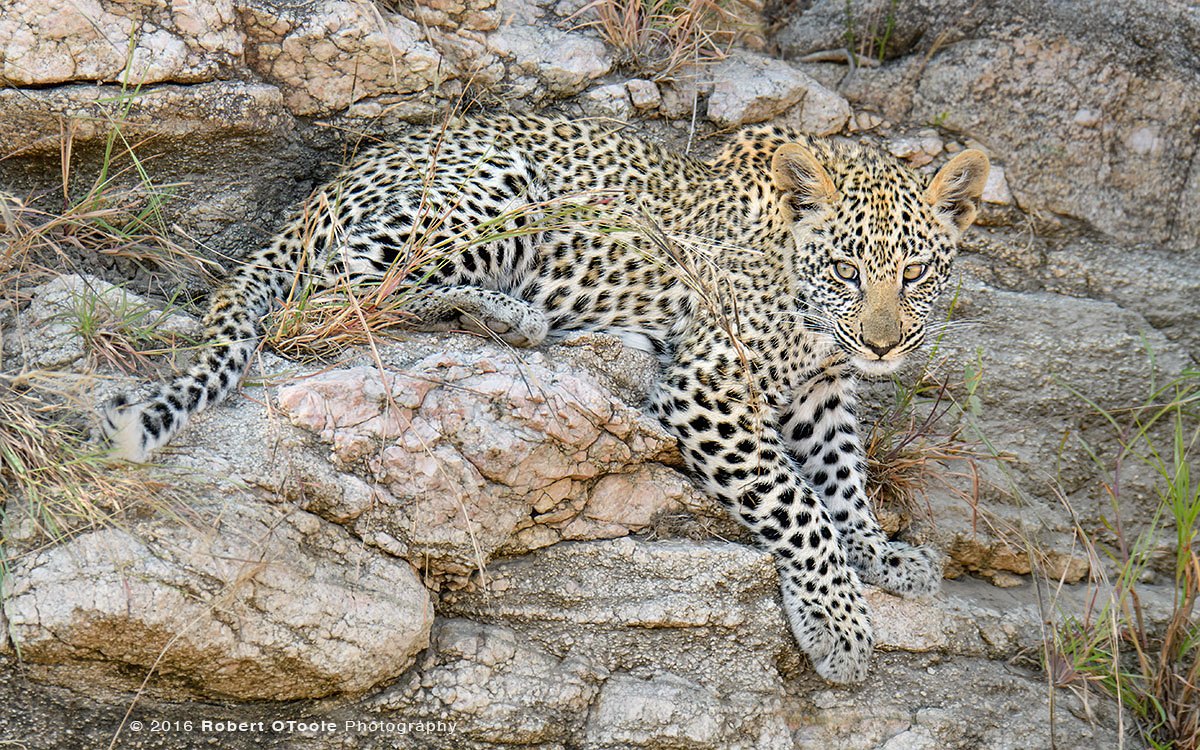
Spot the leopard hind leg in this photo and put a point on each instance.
(480, 310)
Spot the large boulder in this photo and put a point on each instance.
(1094, 108)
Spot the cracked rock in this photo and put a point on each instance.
(263, 603)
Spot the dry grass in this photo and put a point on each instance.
(1155, 673)
(661, 37)
(118, 214)
(47, 464)
(909, 449)
(45, 460)
(124, 335)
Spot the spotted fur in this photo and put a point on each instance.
(788, 264)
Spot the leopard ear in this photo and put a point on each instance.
(803, 181)
(956, 189)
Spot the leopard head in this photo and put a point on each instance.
(873, 242)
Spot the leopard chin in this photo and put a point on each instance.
(874, 368)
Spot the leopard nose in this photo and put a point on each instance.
(880, 349)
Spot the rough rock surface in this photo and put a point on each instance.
(1093, 109)
(750, 88)
(265, 603)
(334, 52)
(45, 42)
(466, 454)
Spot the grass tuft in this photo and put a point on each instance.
(46, 461)
(661, 37)
(1155, 673)
(50, 473)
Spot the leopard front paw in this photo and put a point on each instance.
(906, 569)
(834, 631)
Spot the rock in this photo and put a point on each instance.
(644, 94)
(56, 41)
(866, 121)
(622, 503)
(917, 738)
(1113, 144)
(267, 603)
(597, 644)
(639, 607)
(495, 688)
(918, 150)
(457, 447)
(205, 148)
(561, 62)
(821, 112)
(1024, 404)
(611, 100)
(996, 190)
(1161, 286)
(667, 711)
(201, 111)
(914, 703)
(473, 463)
(750, 88)
(681, 98)
(328, 54)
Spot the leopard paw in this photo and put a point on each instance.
(834, 632)
(906, 569)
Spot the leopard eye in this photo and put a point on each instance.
(914, 271)
(846, 270)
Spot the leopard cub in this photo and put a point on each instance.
(822, 261)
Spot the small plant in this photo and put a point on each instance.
(662, 36)
(869, 49)
(908, 449)
(125, 335)
(1155, 674)
(910, 446)
(47, 465)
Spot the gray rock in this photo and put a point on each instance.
(667, 711)
(923, 703)
(750, 87)
(563, 62)
(48, 43)
(996, 190)
(639, 608)
(1161, 286)
(327, 54)
(266, 603)
(1113, 143)
(1040, 355)
(610, 100)
(644, 94)
(495, 688)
